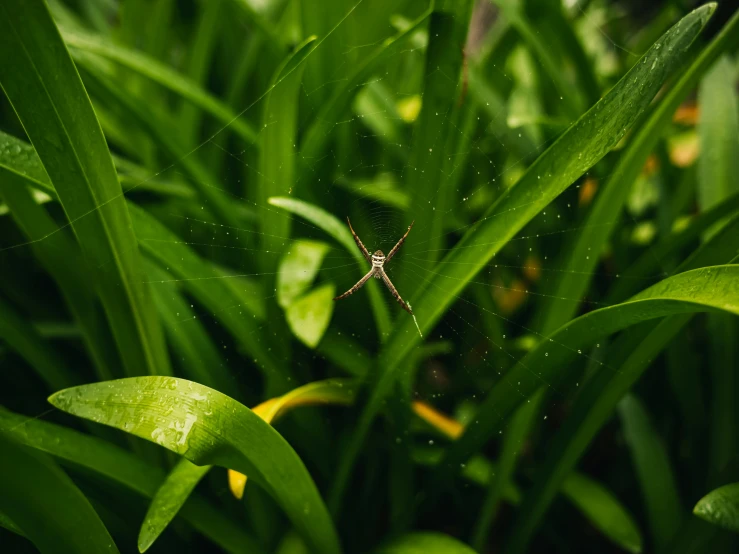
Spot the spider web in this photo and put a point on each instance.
(363, 175)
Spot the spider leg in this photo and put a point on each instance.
(358, 286)
(364, 250)
(399, 244)
(393, 290)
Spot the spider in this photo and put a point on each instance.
(378, 260)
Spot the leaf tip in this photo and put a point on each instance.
(59, 399)
(700, 508)
(145, 541)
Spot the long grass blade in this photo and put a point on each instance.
(58, 117)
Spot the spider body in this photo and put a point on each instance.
(378, 260)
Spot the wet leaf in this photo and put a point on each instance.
(208, 428)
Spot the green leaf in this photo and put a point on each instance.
(207, 427)
(603, 509)
(125, 468)
(576, 150)
(585, 248)
(309, 315)
(161, 74)
(718, 129)
(721, 507)
(277, 161)
(340, 232)
(298, 268)
(8, 524)
(58, 117)
(170, 497)
(588, 140)
(654, 470)
(425, 543)
(43, 501)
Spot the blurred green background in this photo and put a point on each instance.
(175, 180)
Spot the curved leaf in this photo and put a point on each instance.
(425, 543)
(648, 263)
(721, 507)
(208, 427)
(8, 524)
(43, 501)
(576, 150)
